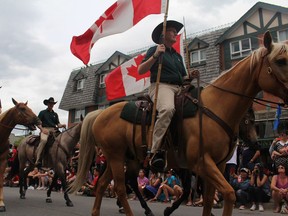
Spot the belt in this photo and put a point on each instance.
(172, 83)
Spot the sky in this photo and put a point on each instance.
(35, 37)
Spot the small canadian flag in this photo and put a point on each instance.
(119, 17)
(125, 79)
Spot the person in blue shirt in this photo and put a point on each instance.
(170, 187)
(241, 186)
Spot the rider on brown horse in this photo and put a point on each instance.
(172, 74)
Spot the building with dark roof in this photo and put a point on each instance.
(211, 52)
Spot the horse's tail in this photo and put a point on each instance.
(87, 150)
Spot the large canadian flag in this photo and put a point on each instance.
(119, 17)
(125, 79)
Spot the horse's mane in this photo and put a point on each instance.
(3, 114)
(256, 55)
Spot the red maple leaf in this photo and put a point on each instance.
(133, 69)
(108, 15)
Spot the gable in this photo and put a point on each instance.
(260, 18)
(197, 44)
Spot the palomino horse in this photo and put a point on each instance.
(19, 114)
(223, 104)
(57, 158)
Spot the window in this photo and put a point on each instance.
(240, 48)
(102, 80)
(103, 106)
(282, 35)
(78, 114)
(80, 84)
(198, 57)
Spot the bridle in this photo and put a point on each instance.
(19, 113)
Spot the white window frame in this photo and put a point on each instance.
(102, 81)
(78, 113)
(103, 106)
(242, 52)
(200, 55)
(282, 35)
(80, 84)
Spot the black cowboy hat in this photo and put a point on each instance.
(50, 100)
(156, 34)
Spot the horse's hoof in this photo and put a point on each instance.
(22, 197)
(121, 210)
(168, 211)
(149, 213)
(2, 209)
(48, 200)
(69, 204)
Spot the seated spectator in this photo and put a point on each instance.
(279, 187)
(241, 185)
(153, 186)
(110, 190)
(170, 187)
(71, 175)
(32, 179)
(100, 161)
(89, 188)
(259, 190)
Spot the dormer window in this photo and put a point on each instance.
(240, 48)
(198, 57)
(80, 84)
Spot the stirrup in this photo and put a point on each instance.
(158, 161)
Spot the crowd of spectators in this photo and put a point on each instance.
(254, 182)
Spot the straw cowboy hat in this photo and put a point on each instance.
(156, 34)
(50, 100)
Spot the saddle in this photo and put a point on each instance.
(139, 112)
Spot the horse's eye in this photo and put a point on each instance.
(246, 121)
(281, 62)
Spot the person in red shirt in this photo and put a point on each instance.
(89, 188)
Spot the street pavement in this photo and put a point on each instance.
(35, 205)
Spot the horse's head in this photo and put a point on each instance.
(273, 77)
(23, 115)
(247, 129)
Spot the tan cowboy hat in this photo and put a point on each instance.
(156, 34)
(50, 100)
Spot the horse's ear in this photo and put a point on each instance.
(81, 117)
(14, 102)
(268, 41)
(26, 103)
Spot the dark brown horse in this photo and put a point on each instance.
(56, 157)
(19, 114)
(223, 104)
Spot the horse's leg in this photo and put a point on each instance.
(3, 163)
(64, 187)
(53, 183)
(102, 183)
(132, 173)
(23, 173)
(117, 167)
(214, 179)
(185, 176)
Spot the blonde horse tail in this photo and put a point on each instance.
(87, 150)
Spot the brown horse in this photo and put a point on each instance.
(223, 104)
(57, 155)
(19, 114)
